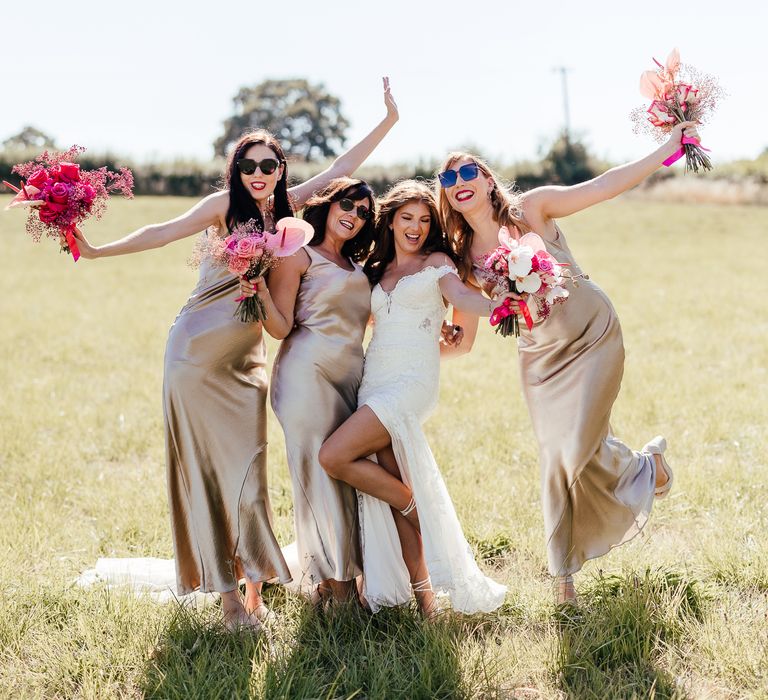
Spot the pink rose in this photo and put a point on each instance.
(245, 247)
(60, 193)
(231, 241)
(38, 178)
(546, 265)
(89, 194)
(660, 115)
(70, 172)
(48, 215)
(239, 266)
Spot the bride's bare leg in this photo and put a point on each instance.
(410, 542)
(343, 456)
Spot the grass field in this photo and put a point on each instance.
(681, 611)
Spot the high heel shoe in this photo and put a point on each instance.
(658, 446)
(565, 591)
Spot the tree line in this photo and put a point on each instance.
(310, 124)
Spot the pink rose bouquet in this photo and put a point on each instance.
(523, 266)
(248, 252)
(63, 196)
(679, 93)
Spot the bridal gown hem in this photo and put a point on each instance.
(400, 385)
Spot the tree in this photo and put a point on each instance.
(305, 118)
(568, 162)
(29, 137)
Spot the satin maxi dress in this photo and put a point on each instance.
(214, 393)
(315, 380)
(597, 493)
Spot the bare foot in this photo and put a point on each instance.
(234, 613)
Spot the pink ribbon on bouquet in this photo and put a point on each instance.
(678, 154)
(69, 235)
(506, 310)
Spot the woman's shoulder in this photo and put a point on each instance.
(438, 260)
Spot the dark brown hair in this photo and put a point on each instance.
(319, 204)
(242, 206)
(396, 197)
(505, 201)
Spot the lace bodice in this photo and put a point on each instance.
(412, 313)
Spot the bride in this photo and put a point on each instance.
(410, 534)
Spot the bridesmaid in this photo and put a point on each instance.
(597, 492)
(319, 301)
(215, 383)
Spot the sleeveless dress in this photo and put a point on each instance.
(214, 395)
(315, 380)
(597, 493)
(400, 385)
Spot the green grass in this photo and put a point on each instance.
(681, 611)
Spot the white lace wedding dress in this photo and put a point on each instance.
(400, 385)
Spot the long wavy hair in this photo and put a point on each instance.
(398, 196)
(505, 201)
(317, 208)
(242, 206)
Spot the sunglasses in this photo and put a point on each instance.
(247, 166)
(468, 172)
(362, 212)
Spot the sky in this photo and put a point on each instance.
(155, 80)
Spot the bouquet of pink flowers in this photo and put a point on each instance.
(523, 266)
(679, 93)
(64, 195)
(249, 252)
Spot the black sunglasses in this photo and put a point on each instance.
(468, 171)
(247, 166)
(362, 212)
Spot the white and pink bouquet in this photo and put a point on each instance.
(60, 195)
(523, 266)
(248, 252)
(679, 93)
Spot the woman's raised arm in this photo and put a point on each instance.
(351, 160)
(555, 202)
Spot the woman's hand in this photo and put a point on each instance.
(257, 285)
(451, 335)
(514, 298)
(87, 251)
(683, 129)
(389, 102)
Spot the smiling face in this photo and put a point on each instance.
(468, 196)
(410, 226)
(345, 225)
(259, 185)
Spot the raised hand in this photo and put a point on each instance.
(389, 101)
(683, 129)
(87, 251)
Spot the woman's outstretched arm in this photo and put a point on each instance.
(208, 212)
(554, 202)
(352, 159)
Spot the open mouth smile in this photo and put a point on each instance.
(464, 195)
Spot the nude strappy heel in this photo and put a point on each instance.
(658, 446)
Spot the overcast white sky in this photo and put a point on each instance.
(155, 79)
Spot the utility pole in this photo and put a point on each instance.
(563, 70)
